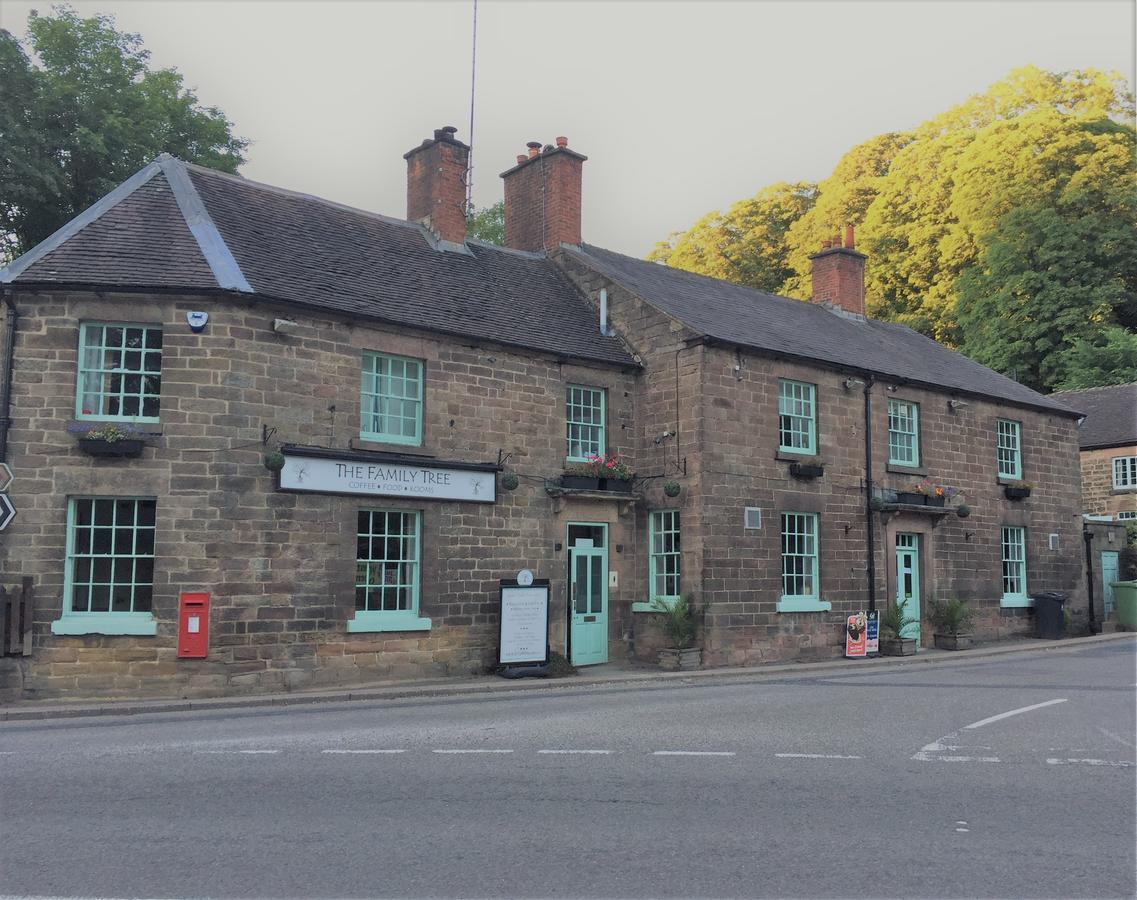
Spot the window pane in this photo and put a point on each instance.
(796, 421)
(386, 573)
(799, 555)
(664, 555)
(111, 562)
(903, 433)
(584, 422)
(117, 379)
(391, 399)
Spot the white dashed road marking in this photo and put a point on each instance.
(814, 756)
(474, 750)
(1089, 762)
(692, 753)
(587, 752)
(385, 752)
(1013, 712)
(242, 752)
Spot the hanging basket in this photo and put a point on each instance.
(672, 488)
(274, 460)
(509, 481)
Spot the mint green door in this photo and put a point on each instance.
(588, 595)
(908, 582)
(1108, 577)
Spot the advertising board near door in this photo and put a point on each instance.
(856, 630)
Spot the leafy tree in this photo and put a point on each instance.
(1108, 357)
(488, 224)
(746, 244)
(85, 117)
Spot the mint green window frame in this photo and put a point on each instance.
(584, 422)
(391, 399)
(1009, 448)
(119, 377)
(1124, 472)
(903, 433)
(108, 582)
(1013, 543)
(797, 417)
(801, 584)
(664, 558)
(388, 560)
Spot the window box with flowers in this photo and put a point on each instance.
(109, 440)
(600, 473)
(925, 493)
(1017, 490)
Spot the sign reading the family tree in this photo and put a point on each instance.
(322, 475)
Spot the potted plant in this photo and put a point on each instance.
(1125, 590)
(893, 621)
(679, 622)
(953, 621)
(614, 473)
(580, 478)
(1017, 490)
(510, 481)
(672, 488)
(274, 460)
(109, 439)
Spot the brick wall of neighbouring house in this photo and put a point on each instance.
(1099, 497)
(281, 566)
(961, 557)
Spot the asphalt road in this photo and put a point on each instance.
(906, 782)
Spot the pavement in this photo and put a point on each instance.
(610, 673)
(986, 774)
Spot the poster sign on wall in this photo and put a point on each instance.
(524, 635)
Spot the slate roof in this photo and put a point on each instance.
(742, 316)
(1111, 415)
(179, 226)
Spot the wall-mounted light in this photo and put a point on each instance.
(954, 404)
(851, 383)
(892, 389)
(285, 326)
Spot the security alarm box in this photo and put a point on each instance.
(193, 626)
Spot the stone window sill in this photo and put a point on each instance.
(141, 624)
(1008, 482)
(639, 606)
(374, 620)
(807, 457)
(143, 429)
(376, 446)
(803, 604)
(1125, 490)
(907, 470)
(1015, 601)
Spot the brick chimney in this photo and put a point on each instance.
(839, 274)
(542, 197)
(436, 184)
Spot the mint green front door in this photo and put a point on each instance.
(1109, 561)
(908, 582)
(588, 594)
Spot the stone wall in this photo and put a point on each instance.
(1099, 497)
(280, 567)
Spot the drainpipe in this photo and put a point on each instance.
(13, 317)
(1088, 538)
(870, 535)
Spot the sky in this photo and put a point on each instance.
(681, 107)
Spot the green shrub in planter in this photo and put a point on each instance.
(509, 481)
(274, 460)
(671, 488)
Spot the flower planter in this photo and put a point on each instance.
(580, 482)
(954, 641)
(110, 449)
(616, 485)
(935, 501)
(897, 646)
(1016, 493)
(910, 498)
(680, 660)
(806, 470)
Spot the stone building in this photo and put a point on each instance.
(422, 396)
(1107, 437)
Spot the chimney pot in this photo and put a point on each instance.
(849, 236)
(562, 141)
(534, 148)
(826, 244)
(521, 157)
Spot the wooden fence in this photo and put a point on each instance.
(17, 609)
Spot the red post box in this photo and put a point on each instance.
(193, 626)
